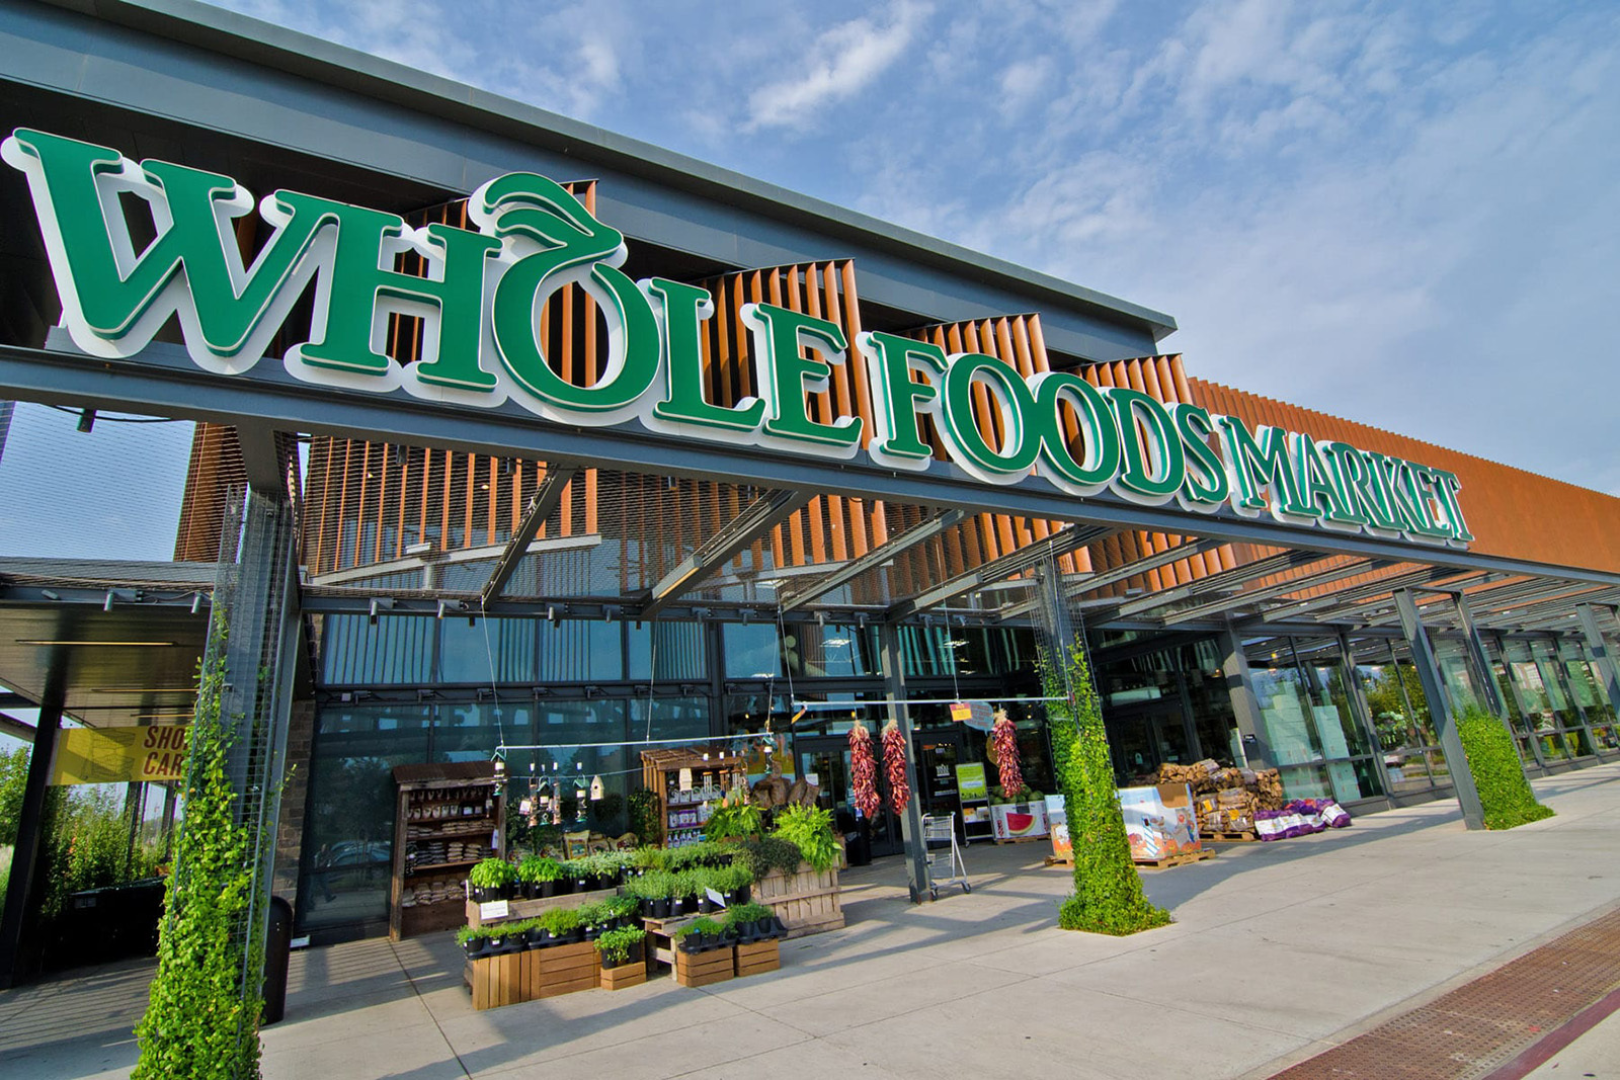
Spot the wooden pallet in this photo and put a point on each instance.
(705, 968)
(625, 975)
(807, 902)
(1177, 860)
(1230, 837)
(1060, 860)
(1026, 840)
(760, 957)
(563, 969)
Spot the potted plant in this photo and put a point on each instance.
(539, 876)
(474, 941)
(656, 889)
(810, 829)
(753, 922)
(620, 947)
(561, 926)
(735, 819)
(593, 918)
(622, 910)
(700, 935)
(643, 859)
(577, 873)
(492, 880)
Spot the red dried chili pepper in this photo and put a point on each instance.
(894, 765)
(1004, 737)
(863, 771)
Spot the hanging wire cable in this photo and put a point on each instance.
(494, 683)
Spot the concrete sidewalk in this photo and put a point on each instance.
(1278, 951)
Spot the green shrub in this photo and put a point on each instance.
(647, 858)
(1108, 897)
(810, 828)
(13, 782)
(1504, 793)
(615, 945)
(701, 925)
(203, 1017)
(746, 913)
(592, 914)
(653, 885)
(737, 821)
(646, 817)
(622, 907)
(769, 853)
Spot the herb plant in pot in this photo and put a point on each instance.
(620, 947)
(561, 926)
(700, 935)
(753, 922)
(473, 941)
(593, 919)
(492, 880)
(539, 876)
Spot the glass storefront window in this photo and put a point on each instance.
(681, 650)
(580, 650)
(837, 650)
(396, 651)
(927, 650)
(753, 650)
(492, 650)
(349, 830)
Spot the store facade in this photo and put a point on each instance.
(656, 454)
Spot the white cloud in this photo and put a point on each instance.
(841, 62)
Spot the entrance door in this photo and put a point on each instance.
(1142, 739)
(938, 753)
(827, 756)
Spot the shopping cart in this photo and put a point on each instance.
(939, 837)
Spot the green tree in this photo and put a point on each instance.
(13, 779)
(1108, 896)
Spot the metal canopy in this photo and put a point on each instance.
(1226, 579)
(757, 518)
(546, 498)
(876, 557)
(1282, 588)
(1118, 574)
(1326, 608)
(1015, 562)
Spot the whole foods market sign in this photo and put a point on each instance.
(481, 301)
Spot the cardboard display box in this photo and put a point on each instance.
(1159, 821)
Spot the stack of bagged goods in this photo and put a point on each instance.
(433, 892)
(1226, 800)
(1300, 817)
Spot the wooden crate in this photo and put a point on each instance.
(625, 975)
(705, 968)
(760, 957)
(497, 980)
(807, 902)
(564, 969)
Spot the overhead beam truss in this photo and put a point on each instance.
(756, 519)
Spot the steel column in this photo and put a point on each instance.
(1245, 705)
(26, 886)
(1474, 649)
(1445, 725)
(1602, 657)
(1359, 707)
(911, 832)
(1524, 709)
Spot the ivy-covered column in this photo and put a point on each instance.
(203, 1018)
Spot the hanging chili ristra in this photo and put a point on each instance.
(1004, 737)
(894, 764)
(863, 771)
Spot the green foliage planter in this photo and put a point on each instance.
(1504, 793)
(1108, 897)
(203, 1017)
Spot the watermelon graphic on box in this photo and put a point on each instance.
(1018, 821)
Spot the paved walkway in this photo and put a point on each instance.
(1278, 952)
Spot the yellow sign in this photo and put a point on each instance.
(121, 755)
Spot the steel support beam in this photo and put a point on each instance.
(995, 570)
(876, 557)
(1233, 578)
(1445, 724)
(1602, 655)
(25, 888)
(1474, 647)
(911, 831)
(1281, 588)
(546, 499)
(1117, 574)
(1358, 705)
(164, 381)
(757, 518)
(1245, 704)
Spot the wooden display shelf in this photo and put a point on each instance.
(528, 909)
(469, 785)
(429, 918)
(413, 870)
(624, 976)
(807, 902)
(532, 974)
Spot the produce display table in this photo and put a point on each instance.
(529, 909)
(532, 974)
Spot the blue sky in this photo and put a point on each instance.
(1405, 214)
